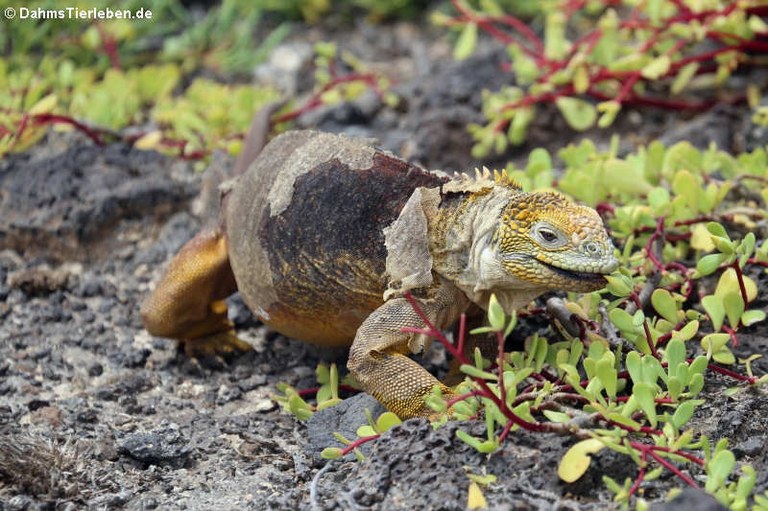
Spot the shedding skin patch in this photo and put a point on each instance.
(321, 148)
(409, 261)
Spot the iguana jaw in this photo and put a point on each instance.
(527, 273)
(569, 279)
(578, 276)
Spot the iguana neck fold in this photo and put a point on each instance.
(462, 234)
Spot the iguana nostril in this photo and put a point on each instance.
(592, 248)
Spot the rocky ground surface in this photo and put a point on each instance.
(96, 413)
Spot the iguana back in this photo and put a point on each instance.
(305, 226)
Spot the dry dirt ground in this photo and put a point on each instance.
(95, 413)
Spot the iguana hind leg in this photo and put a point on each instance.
(378, 357)
(188, 302)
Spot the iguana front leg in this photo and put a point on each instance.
(378, 357)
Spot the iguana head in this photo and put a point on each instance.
(548, 241)
(489, 237)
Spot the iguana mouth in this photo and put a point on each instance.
(573, 274)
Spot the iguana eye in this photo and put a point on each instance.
(547, 236)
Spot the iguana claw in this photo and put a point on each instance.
(218, 344)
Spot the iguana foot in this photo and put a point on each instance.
(378, 356)
(216, 346)
(434, 416)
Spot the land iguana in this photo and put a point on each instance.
(323, 234)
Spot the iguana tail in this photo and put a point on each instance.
(255, 139)
(213, 194)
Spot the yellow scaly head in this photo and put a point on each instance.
(549, 241)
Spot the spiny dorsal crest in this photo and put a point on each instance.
(500, 177)
(482, 179)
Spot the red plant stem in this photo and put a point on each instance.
(462, 333)
(635, 76)
(651, 451)
(758, 10)
(357, 443)
(753, 260)
(682, 223)
(658, 400)
(606, 209)
(538, 377)
(706, 57)
(194, 155)
(674, 265)
(22, 126)
(571, 6)
(684, 10)
(487, 392)
(95, 134)
(505, 431)
(486, 23)
(626, 88)
(549, 376)
(640, 473)
(627, 79)
(642, 429)
(690, 457)
(500, 362)
(566, 388)
(664, 338)
(669, 466)
(316, 99)
(732, 333)
(645, 450)
(667, 104)
(632, 77)
(658, 233)
(313, 390)
(181, 145)
(430, 332)
(463, 397)
(310, 105)
(588, 41)
(727, 372)
(555, 396)
(690, 16)
(109, 45)
(743, 44)
(740, 277)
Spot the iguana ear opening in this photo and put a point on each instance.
(409, 262)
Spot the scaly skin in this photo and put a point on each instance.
(322, 236)
(486, 236)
